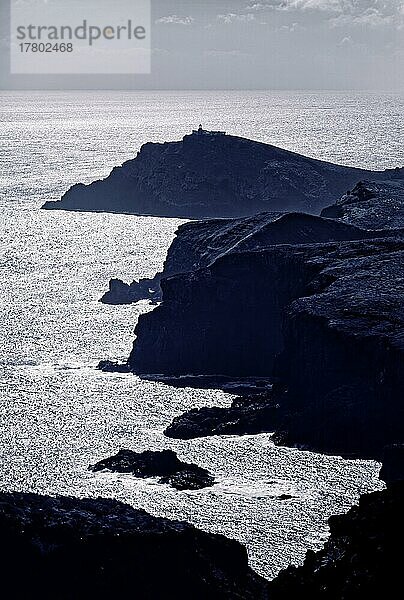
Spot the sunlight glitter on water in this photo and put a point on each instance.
(58, 414)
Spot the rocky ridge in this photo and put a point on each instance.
(371, 204)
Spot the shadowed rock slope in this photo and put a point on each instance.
(204, 176)
(71, 549)
(371, 204)
(198, 244)
(327, 319)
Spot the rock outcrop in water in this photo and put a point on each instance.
(165, 465)
(214, 176)
(125, 293)
(67, 548)
(255, 414)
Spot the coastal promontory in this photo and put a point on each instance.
(210, 174)
(314, 303)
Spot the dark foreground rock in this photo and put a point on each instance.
(215, 176)
(393, 463)
(164, 464)
(71, 549)
(362, 558)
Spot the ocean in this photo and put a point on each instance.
(58, 414)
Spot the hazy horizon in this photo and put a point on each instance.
(346, 45)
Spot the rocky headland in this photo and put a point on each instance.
(163, 464)
(208, 175)
(314, 303)
(72, 549)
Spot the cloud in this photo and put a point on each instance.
(340, 13)
(348, 44)
(346, 41)
(225, 53)
(355, 8)
(371, 18)
(333, 6)
(236, 18)
(291, 28)
(258, 6)
(175, 20)
(294, 5)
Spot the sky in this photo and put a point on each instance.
(256, 44)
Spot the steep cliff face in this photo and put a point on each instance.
(248, 282)
(343, 357)
(325, 319)
(214, 176)
(68, 548)
(198, 244)
(225, 319)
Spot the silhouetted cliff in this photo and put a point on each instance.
(214, 176)
(327, 319)
(70, 549)
(198, 244)
(343, 352)
(313, 302)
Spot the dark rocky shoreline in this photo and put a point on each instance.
(71, 549)
(360, 560)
